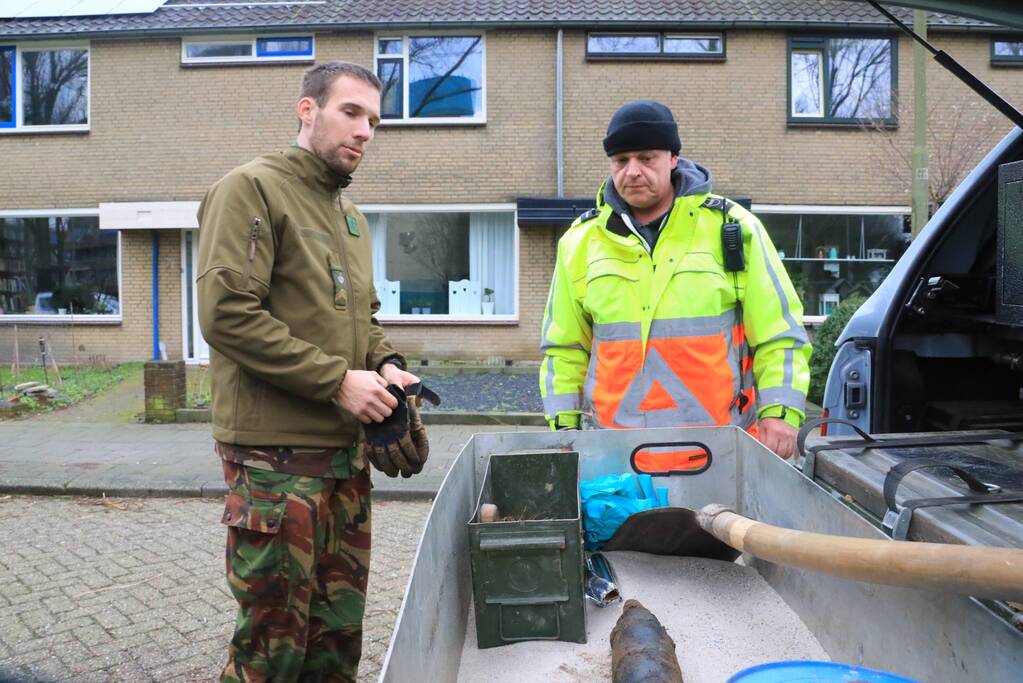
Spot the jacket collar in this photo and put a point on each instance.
(315, 171)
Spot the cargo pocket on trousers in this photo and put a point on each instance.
(257, 566)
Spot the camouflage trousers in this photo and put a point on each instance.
(297, 563)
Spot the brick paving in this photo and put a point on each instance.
(132, 589)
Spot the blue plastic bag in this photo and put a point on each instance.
(608, 501)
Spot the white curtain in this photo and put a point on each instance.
(378, 230)
(492, 256)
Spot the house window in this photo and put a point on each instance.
(242, 49)
(831, 256)
(44, 88)
(432, 78)
(841, 80)
(438, 261)
(1007, 51)
(655, 45)
(58, 265)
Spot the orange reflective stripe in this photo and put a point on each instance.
(618, 363)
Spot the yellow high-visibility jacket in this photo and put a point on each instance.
(639, 339)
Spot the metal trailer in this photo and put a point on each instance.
(923, 635)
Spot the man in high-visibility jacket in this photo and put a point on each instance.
(652, 322)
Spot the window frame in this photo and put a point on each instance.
(828, 210)
(79, 318)
(17, 101)
(253, 42)
(661, 55)
(447, 318)
(404, 120)
(816, 41)
(1005, 60)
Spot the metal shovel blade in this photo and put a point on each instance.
(669, 531)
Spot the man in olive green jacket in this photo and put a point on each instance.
(297, 361)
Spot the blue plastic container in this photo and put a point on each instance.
(814, 672)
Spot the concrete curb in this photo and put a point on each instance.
(452, 418)
(186, 415)
(205, 491)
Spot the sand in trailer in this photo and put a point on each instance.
(722, 616)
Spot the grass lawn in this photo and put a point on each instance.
(79, 383)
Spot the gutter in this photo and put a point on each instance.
(9, 32)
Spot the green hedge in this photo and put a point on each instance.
(824, 350)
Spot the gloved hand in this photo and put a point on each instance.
(389, 445)
(398, 445)
(418, 432)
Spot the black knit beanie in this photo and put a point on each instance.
(643, 124)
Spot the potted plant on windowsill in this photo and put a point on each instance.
(488, 301)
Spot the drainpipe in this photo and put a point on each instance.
(560, 118)
(156, 295)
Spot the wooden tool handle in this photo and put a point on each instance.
(979, 571)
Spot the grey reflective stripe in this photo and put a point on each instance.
(786, 314)
(544, 342)
(702, 326)
(617, 332)
(545, 345)
(783, 395)
(550, 377)
(796, 332)
(591, 379)
(552, 405)
(687, 410)
(799, 336)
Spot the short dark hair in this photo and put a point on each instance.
(317, 81)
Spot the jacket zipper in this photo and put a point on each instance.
(348, 277)
(257, 222)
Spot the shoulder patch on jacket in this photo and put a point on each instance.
(587, 216)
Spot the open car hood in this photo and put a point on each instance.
(1002, 12)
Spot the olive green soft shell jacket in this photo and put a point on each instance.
(286, 302)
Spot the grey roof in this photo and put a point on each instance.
(198, 16)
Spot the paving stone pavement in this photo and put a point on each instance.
(130, 589)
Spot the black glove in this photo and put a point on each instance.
(389, 444)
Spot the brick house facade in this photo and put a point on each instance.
(161, 131)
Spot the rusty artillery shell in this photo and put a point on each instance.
(641, 650)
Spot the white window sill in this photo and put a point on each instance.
(431, 319)
(76, 128)
(57, 319)
(440, 121)
(814, 320)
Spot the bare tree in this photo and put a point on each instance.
(55, 85)
(958, 135)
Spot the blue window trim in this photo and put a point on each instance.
(820, 42)
(261, 52)
(14, 85)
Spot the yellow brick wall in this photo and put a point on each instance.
(733, 119)
(164, 132)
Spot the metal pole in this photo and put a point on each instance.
(921, 175)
